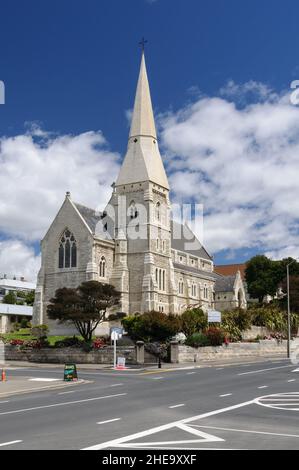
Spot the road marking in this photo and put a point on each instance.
(65, 393)
(292, 380)
(61, 404)
(9, 443)
(109, 421)
(225, 395)
(40, 379)
(220, 368)
(280, 401)
(263, 370)
(6, 401)
(263, 386)
(177, 406)
(295, 370)
(158, 378)
(150, 372)
(191, 373)
(245, 430)
(138, 435)
(115, 385)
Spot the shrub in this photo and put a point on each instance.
(98, 343)
(193, 321)
(239, 317)
(24, 323)
(152, 326)
(70, 342)
(269, 316)
(40, 331)
(158, 350)
(216, 336)
(197, 340)
(231, 330)
(16, 342)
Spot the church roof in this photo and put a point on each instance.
(142, 161)
(225, 283)
(143, 122)
(183, 239)
(90, 216)
(190, 269)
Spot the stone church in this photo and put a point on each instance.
(153, 261)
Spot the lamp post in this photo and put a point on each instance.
(289, 306)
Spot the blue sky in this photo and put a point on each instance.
(71, 68)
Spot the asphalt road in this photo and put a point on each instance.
(246, 406)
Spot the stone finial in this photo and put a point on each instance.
(68, 194)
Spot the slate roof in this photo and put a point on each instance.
(224, 283)
(182, 236)
(206, 274)
(90, 216)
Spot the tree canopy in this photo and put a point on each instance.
(85, 307)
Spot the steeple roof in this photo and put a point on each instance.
(143, 123)
(143, 161)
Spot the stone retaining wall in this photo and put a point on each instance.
(60, 356)
(182, 353)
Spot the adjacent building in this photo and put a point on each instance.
(9, 313)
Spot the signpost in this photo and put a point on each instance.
(70, 372)
(214, 316)
(116, 333)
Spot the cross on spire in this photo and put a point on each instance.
(142, 43)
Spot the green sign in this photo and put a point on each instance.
(70, 372)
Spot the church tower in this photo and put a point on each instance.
(142, 189)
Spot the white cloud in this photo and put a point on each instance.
(36, 172)
(36, 169)
(242, 164)
(18, 259)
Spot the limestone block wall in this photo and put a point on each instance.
(63, 355)
(184, 354)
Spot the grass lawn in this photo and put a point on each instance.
(24, 334)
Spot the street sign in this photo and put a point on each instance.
(214, 316)
(117, 329)
(70, 372)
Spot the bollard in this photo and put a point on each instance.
(159, 363)
(3, 376)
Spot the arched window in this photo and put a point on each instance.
(193, 290)
(102, 268)
(133, 213)
(158, 211)
(67, 253)
(181, 286)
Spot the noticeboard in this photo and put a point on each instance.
(214, 316)
(70, 372)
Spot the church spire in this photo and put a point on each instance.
(143, 123)
(143, 161)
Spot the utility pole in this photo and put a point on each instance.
(289, 306)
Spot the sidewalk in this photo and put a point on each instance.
(19, 385)
(135, 367)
